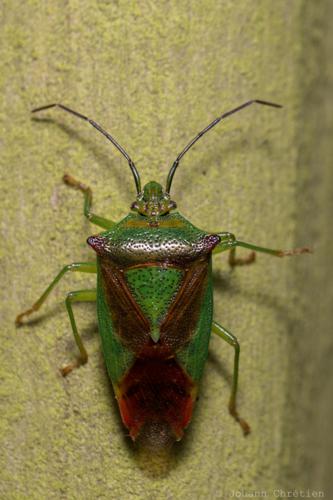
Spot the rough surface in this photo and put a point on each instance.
(154, 73)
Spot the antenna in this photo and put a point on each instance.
(106, 134)
(206, 129)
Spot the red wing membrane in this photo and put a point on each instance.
(157, 398)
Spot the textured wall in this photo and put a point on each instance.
(154, 73)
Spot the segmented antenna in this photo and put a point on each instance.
(206, 129)
(106, 134)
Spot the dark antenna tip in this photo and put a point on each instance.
(35, 110)
(267, 103)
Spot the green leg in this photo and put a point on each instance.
(95, 219)
(79, 296)
(82, 267)
(231, 339)
(229, 242)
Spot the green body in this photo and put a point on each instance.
(154, 287)
(154, 302)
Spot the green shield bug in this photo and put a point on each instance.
(154, 302)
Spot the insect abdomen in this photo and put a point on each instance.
(156, 399)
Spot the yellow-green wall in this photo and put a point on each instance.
(155, 73)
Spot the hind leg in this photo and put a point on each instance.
(231, 339)
(78, 296)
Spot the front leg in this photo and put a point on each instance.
(95, 219)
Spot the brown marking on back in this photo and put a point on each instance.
(180, 322)
(130, 323)
(165, 223)
(162, 265)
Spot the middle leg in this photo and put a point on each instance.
(82, 267)
(229, 242)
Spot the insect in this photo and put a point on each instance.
(154, 301)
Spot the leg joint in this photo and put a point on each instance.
(70, 297)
